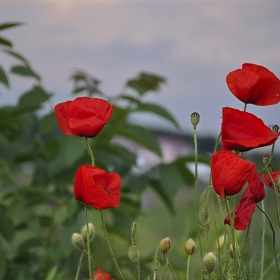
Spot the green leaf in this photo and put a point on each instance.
(5, 42)
(4, 167)
(146, 82)
(78, 90)
(17, 55)
(7, 229)
(3, 77)
(74, 149)
(9, 25)
(139, 135)
(25, 70)
(32, 99)
(48, 123)
(158, 110)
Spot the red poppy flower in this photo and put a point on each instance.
(254, 84)
(83, 116)
(274, 176)
(106, 276)
(97, 188)
(229, 173)
(253, 194)
(243, 131)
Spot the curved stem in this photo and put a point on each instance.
(110, 247)
(90, 153)
(263, 236)
(88, 245)
(79, 267)
(273, 242)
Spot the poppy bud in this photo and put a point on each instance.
(91, 230)
(78, 241)
(231, 251)
(221, 242)
(164, 245)
(133, 253)
(190, 246)
(210, 262)
(195, 119)
(203, 217)
(265, 159)
(155, 264)
(165, 273)
(275, 128)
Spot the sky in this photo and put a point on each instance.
(194, 44)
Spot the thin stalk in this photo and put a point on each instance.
(165, 257)
(273, 240)
(90, 153)
(88, 245)
(79, 266)
(196, 193)
(263, 236)
(110, 247)
(188, 268)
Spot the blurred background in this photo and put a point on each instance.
(193, 44)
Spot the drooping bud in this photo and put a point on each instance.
(164, 245)
(266, 159)
(78, 241)
(91, 230)
(190, 246)
(133, 253)
(231, 251)
(195, 119)
(210, 262)
(165, 273)
(275, 128)
(203, 217)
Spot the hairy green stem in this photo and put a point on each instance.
(88, 245)
(110, 247)
(90, 153)
(79, 266)
(188, 268)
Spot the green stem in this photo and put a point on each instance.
(188, 267)
(79, 267)
(90, 153)
(273, 240)
(88, 245)
(263, 236)
(196, 193)
(110, 247)
(165, 257)
(233, 239)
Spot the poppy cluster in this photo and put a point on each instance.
(86, 117)
(242, 131)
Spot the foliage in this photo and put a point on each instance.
(38, 210)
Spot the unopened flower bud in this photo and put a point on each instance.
(91, 230)
(164, 245)
(190, 246)
(210, 262)
(155, 264)
(220, 243)
(195, 119)
(133, 253)
(203, 217)
(165, 273)
(265, 159)
(275, 128)
(231, 251)
(78, 241)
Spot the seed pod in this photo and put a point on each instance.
(78, 241)
(190, 246)
(165, 273)
(164, 245)
(210, 262)
(195, 119)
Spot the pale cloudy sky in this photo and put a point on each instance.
(194, 44)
